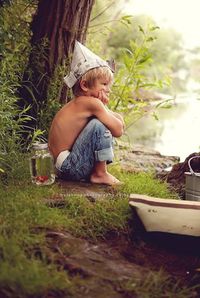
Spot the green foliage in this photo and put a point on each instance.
(130, 41)
(14, 50)
(131, 77)
(14, 55)
(122, 34)
(14, 30)
(138, 48)
(105, 18)
(168, 44)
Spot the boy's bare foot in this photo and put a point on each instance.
(104, 178)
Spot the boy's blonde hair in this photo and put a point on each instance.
(91, 76)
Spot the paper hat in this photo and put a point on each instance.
(82, 61)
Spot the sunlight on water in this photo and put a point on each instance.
(175, 133)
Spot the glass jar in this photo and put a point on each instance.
(42, 165)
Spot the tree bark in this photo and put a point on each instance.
(59, 23)
(2, 2)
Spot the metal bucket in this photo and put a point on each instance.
(192, 183)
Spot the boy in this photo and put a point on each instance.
(81, 134)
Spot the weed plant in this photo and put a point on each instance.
(14, 49)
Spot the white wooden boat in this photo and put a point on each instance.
(167, 215)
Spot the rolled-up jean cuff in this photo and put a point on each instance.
(104, 155)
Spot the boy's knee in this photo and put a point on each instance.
(100, 127)
(96, 123)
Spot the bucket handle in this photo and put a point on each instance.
(191, 170)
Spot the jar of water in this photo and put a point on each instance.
(41, 165)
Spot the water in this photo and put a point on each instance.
(175, 133)
(42, 170)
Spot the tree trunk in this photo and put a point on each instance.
(61, 22)
(2, 2)
(55, 26)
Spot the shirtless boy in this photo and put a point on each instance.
(81, 134)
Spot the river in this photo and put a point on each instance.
(177, 132)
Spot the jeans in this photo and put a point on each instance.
(93, 144)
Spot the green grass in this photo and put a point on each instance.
(156, 285)
(22, 275)
(25, 215)
(22, 211)
(143, 183)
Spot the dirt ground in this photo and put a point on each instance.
(177, 255)
(105, 265)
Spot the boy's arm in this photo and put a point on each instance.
(118, 116)
(113, 123)
(104, 99)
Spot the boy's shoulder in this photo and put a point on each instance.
(87, 100)
(88, 103)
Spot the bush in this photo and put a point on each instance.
(14, 53)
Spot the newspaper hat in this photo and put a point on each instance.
(82, 61)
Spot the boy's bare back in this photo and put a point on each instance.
(67, 125)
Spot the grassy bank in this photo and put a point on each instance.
(26, 215)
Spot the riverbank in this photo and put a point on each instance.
(138, 158)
